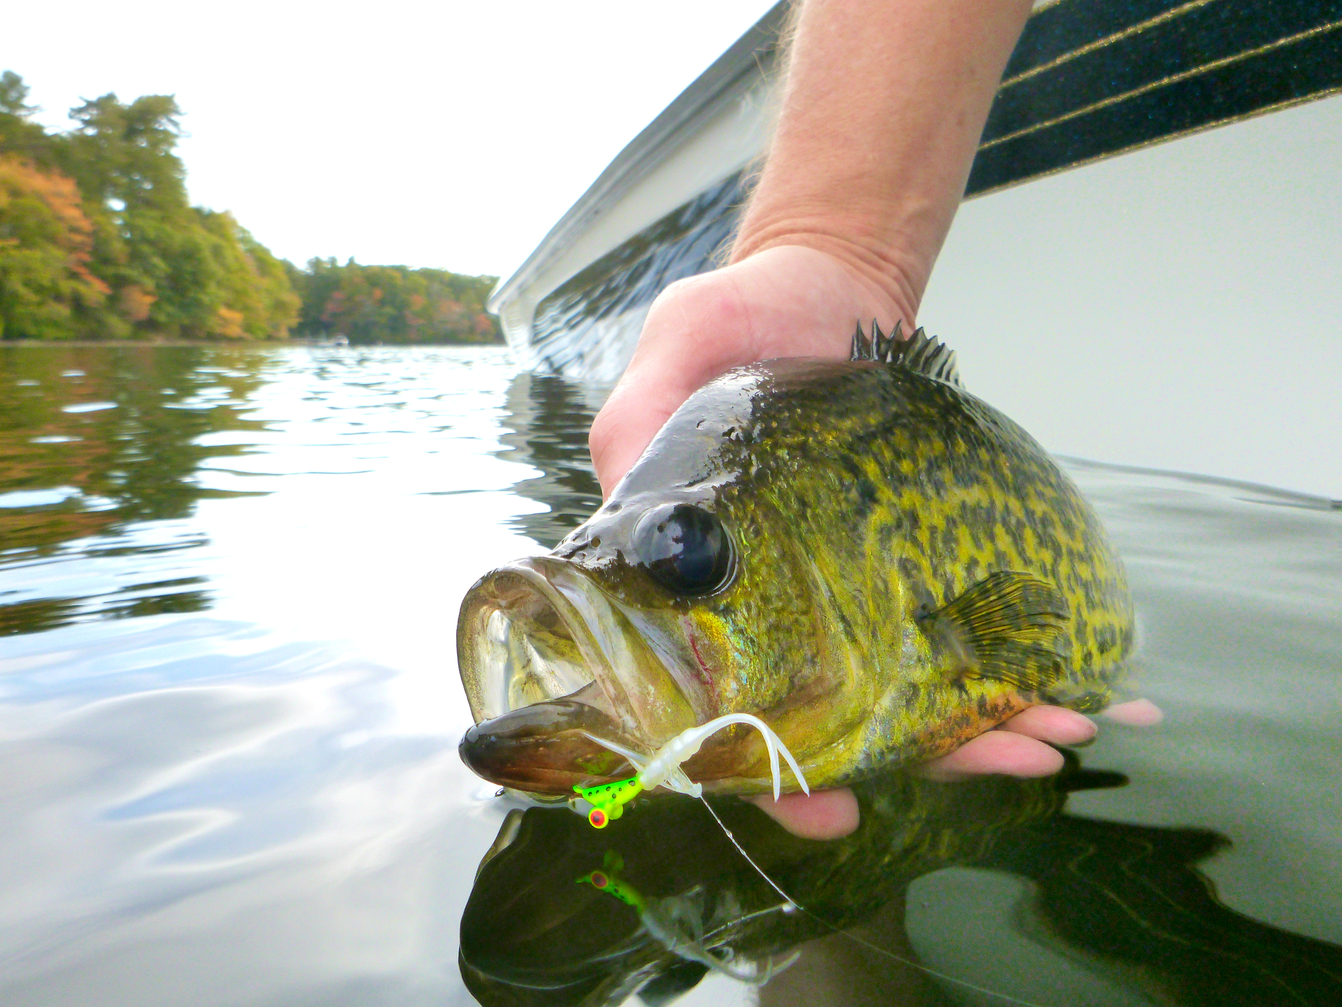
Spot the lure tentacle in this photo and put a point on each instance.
(636, 759)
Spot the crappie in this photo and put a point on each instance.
(873, 561)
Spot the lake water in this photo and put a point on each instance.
(229, 712)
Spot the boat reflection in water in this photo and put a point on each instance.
(545, 423)
(565, 914)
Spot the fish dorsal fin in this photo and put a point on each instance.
(1008, 627)
(920, 353)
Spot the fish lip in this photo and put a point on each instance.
(516, 600)
(532, 668)
(545, 749)
(552, 666)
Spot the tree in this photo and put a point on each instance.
(14, 96)
(178, 270)
(99, 240)
(125, 153)
(18, 134)
(46, 241)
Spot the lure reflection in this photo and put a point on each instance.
(563, 915)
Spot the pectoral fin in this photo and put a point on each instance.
(1010, 627)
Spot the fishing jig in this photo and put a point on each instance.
(662, 769)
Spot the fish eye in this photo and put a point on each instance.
(684, 548)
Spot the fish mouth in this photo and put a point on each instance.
(551, 663)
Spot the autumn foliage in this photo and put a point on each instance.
(393, 304)
(46, 245)
(99, 241)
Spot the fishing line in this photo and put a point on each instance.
(853, 937)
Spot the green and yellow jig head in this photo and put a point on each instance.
(609, 799)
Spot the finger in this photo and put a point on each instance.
(1053, 724)
(825, 814)
(1137, 713)
(625, 425)
(1002, 752)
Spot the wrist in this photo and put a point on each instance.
(891, 279)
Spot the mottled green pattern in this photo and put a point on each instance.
(908, 569)
(864, 496)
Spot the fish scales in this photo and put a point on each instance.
(939, 490)
(861, 553)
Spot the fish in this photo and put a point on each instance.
(860, 553)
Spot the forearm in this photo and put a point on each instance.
(882, 110)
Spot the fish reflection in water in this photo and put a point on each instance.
(563, 914)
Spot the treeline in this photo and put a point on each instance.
(98, 241)
(392, 304)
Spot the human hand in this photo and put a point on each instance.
(785, 301)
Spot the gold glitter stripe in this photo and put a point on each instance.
(1131, 30)
(1200, 128)
(1163, 82)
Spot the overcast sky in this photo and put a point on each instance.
(446, 134)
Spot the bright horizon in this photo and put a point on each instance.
(451, 136)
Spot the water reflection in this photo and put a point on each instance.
(263, 804)
(564, 914)
(546, 420)
(94, 440)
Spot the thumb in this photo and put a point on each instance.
(625, 426)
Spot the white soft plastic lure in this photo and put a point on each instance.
(662, 768)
